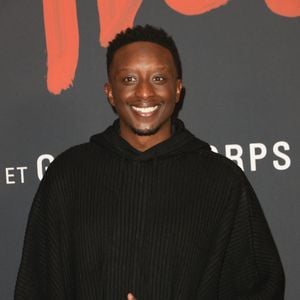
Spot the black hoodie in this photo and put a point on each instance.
(176, 222)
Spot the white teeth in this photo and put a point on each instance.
(145, 110)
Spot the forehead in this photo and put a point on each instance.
(142, 52)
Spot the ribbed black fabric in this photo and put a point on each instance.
(177, 222)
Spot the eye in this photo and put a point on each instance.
(129, 79)
(158, 78)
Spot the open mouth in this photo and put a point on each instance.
(145, 111)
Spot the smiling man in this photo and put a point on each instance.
(144, 87)
(146, 210)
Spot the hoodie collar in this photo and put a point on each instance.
(181, 141)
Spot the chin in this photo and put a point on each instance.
(145, 131)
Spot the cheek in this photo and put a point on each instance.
(168, 94)
(121, 95)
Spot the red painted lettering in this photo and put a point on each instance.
(115, 15)
(195, 7)
(62, 36)
(286, 8)
(62, 41)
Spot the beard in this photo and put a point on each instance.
(145, 132)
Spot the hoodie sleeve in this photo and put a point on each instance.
(43, 272)
(252, 268)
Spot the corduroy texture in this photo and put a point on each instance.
(177, 222)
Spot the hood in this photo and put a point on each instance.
(181, 141)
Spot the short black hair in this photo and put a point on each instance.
(147, 33)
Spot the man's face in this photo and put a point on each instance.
(143, 88)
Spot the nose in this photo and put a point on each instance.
(144, 89)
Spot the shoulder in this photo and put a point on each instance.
(217, 166)
(65, 174)
(76, 156)
(223, 174)
(74, 162)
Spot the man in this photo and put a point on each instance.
(145, 209)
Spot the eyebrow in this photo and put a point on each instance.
(126, 69)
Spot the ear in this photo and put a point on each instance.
(178, 89)
(108, 93)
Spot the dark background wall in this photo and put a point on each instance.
(241, 73)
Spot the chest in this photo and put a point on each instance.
(146, 205)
